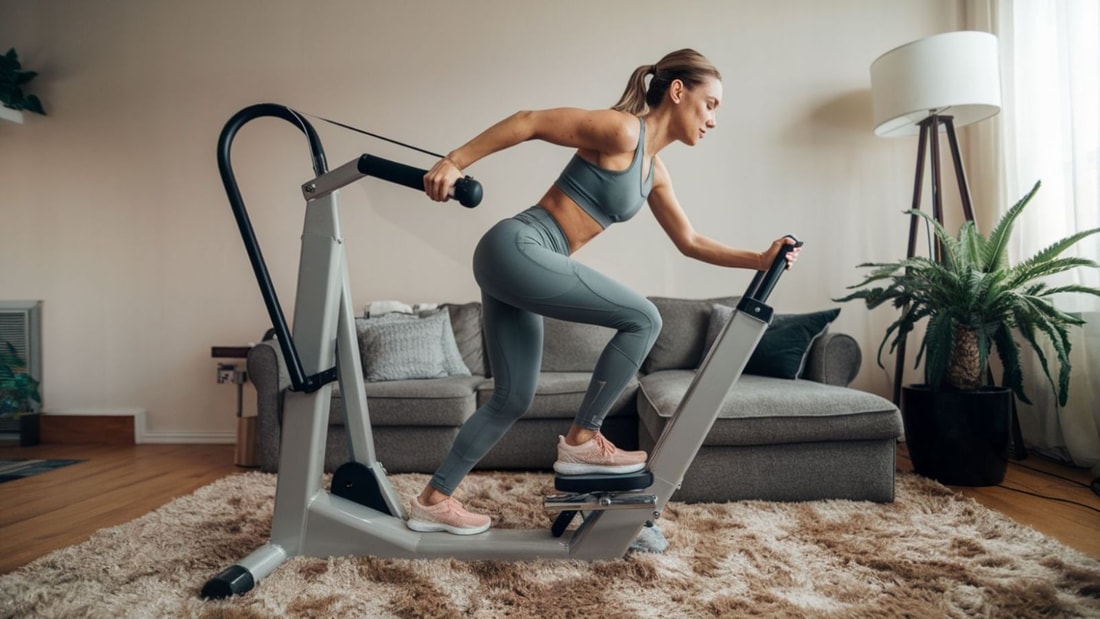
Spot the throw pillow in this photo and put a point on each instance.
(453, 362)
(466, 326)
(402, 346)
(679, 346)
(785, 346)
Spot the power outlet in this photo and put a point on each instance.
(227, 373)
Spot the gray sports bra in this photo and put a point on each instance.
(609, 196)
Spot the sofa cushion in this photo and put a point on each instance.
(572, 346)
(680, 344)
(784, 347)
(765, 411)
(558, 395)
(466, 326)
(432, 402)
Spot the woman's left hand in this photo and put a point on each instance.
(773, 251)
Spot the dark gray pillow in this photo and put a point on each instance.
(784, 347)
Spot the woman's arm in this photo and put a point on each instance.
(606, 131)
(666, 208)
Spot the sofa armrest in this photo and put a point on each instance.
(267, 373)
(834, 359)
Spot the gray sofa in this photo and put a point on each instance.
(775, 439)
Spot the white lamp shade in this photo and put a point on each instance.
(955, 74)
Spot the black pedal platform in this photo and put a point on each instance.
(600, 482)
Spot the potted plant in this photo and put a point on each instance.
(956, 422)
(19, 397)
(12, 80)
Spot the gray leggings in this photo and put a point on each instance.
(523, 267)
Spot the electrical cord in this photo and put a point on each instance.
(1062, 477)
(1096, 482)
(1094, 486)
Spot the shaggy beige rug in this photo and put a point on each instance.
(932, 553)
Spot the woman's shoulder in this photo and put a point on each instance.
(605, 118)
(606, 131)
(622, 130)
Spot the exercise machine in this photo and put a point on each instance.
(361, 514)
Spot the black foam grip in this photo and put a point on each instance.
(467, 191)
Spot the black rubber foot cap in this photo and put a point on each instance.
(234, 580)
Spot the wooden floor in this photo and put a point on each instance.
(116, 484)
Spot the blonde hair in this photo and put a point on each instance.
(686, 65)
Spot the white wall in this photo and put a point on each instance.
(113, 213)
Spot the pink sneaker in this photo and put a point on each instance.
(448, 516)
(597, 455)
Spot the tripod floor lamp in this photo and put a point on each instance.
(944, 81)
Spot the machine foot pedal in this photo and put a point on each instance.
(603, 483)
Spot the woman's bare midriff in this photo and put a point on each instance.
(578, 226)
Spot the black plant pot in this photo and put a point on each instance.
(24, 428)
(959, 438)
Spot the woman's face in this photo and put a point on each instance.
(697, 110)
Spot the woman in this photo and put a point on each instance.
(523, 267)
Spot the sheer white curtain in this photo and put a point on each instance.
(1049, 130)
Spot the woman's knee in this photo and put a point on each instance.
(648, 323)
(513, 401)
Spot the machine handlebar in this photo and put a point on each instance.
(467, 191)
(764, 281)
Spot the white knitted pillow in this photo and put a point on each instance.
(402, 347)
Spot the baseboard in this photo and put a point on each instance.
(88, 426)
(118, 427)
(190, 438)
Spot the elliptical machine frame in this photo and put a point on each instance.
(362, 514)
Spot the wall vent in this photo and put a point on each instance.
(21, 324)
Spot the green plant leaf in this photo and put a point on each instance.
(17, 388)
(1012, 376)
(10, 61)
(32, 104)
(1055, 249)
(12, 79)
(939, 339)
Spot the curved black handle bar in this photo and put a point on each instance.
(274, 311)
(467, 191)
(764, 281)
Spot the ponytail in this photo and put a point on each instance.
(686, 65)
(633, 99)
